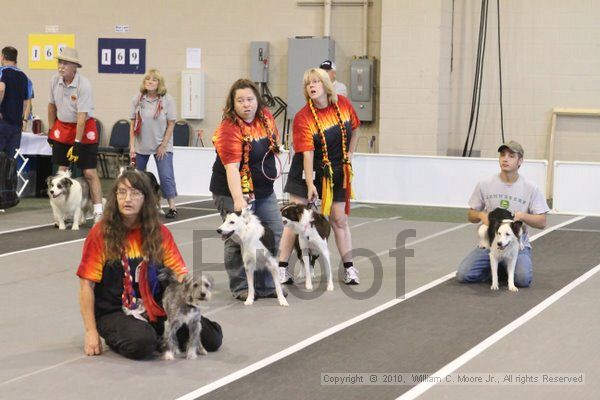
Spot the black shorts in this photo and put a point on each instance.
(87, 155)
(296, 184)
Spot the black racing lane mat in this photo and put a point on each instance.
(47, 235)
(420, 335)
(588, 223)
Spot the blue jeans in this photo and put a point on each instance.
(267, 210)
(476, 267)
(10, 138)
(166, 174)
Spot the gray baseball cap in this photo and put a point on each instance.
(512, 146)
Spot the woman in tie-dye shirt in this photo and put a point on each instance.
(325, 136)
(246, 143)
(120, 294)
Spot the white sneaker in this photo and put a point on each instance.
(285, 278)
(351, 276)
(97, 217)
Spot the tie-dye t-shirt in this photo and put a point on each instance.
(306, 135)
(228, 140)
(108, 274)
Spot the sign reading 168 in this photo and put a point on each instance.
(47, 52)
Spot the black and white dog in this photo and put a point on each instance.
(69, 199)
(255, 240)
(312, 230)
(502, 237)
(181, 302)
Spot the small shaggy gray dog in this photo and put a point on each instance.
(181, 302)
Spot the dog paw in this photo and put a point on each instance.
(308, 285)
(202, 351)
(249, 302)
(283, 302)
(75, 228)
(191, 355)
(330, 287)
(494, 286)
(169, 356)
(513, 289)
(62, 227)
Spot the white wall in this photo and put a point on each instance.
(378, 178)
(550, 59)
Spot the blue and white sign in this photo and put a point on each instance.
(122, 56)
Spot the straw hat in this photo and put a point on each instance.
(69, 54)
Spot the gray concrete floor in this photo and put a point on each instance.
(41, 331)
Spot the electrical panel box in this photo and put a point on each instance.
(362, 78)
(192, 94)
(259, 62)
(304, 53)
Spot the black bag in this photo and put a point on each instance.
(8, 182)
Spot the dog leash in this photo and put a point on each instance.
(275, 151)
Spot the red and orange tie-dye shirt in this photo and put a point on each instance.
(306, 135)
(228, 140)
(93, 260)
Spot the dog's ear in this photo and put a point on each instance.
(246, 213)
(492, 228)
(516, 227)
(238, 213)
(66, 182)
(49, 181)
(208, 278)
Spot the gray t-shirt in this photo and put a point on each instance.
(340, 88)
(153, 129)
(71, 99)
(521, 195)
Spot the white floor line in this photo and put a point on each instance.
(195, 208)
(166, 206)
(478, 349)
(368, 222)
(82, 239)
(313, 339)
(25, 228)
(18, 378)
(497, 336)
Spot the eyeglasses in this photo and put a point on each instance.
(133, 193)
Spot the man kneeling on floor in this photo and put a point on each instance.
(119, 289)
(513, 192)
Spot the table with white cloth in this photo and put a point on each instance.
(35, 166)
(32, 144)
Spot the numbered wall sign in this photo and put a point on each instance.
(44, 47)
(121, 56)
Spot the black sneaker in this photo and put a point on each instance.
(172, 213)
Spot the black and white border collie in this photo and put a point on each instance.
(312, 230)
(69, 199)
(255, 240)
(502, 237)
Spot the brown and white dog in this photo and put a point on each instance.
(502, 237)
(69, 199)
(312, 230)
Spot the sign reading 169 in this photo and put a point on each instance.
(119, 56)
